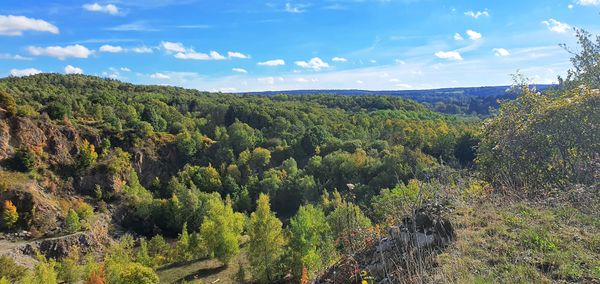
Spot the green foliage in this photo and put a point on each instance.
(7, 102)
(158, 249)
(310, 241)
(221, 229)
(24, 160)
(10, 270)
(267, 242)
(182, 251)
(72, 223)
(345, 218)
(87, 155)
(135, 273)
(44, 272)
(143, 256)
(69, 271)
(542, 140)
(400, 200)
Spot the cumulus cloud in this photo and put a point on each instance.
(477, 14)
(172, 46)
(274, 62)
(125, 69)
(108, 8)
(588, 2)
(314, 63)
(111, 48)
(556, 26)
(450, 55)
(458, 37)
(233, 54)
(15, 25)
(24, 72)
(60, 52)
(70, 69)
(239, 70)
(160, 76)
(339, 59)
(502, 52)
(473, 35)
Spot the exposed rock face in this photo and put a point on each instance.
(407, 248)
(59, 141)
(31, 198)
(59, 248)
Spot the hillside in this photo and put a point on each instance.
(108, 180)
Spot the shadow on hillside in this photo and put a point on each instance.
(204, 272)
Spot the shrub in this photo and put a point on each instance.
(87, 155)
(24, 160)
(7, 102)
(72, 223)
(10, 270)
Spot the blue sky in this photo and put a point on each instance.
(247, 45)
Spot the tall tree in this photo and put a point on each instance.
(222, 228)
(266, 241)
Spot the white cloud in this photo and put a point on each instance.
(570, 6)
(160, 76)
(473, 35)
(360, 82)
(125, 69)
(239, 70)
(270, 80)
(373, 61)
(477, 14)
(294, 8)
(9, 56)
(108, 9)
(233, 54)
(588, 2)
(274, 62)
(339, 59)
(213, 55)
(400, 61)
(142, 49)
(111, 48)
(394, 80)
(458, 37)
(502, 52)
(556, 26)
(450, 55)
(24, 72)
(404, 86)
(15, 25)
(173, 46)
(314, 63)
(76, 51)
(70, 69)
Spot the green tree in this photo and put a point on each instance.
(24, 160)
(267, 242)
(142, 255)
(44, 272)
(87, 155)
(260, 158)
(221, 229)
(72, 223)
(182, 248)
(242, 136)
(310, 240)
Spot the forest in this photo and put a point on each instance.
(283, 187)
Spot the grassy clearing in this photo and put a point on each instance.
(500, 241)
(205, 271)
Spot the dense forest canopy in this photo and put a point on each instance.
(299, 182)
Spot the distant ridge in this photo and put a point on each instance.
(468, 91)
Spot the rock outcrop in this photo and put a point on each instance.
(407, 248)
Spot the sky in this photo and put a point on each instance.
(249, 45)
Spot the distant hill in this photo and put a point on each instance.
(470, 100)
